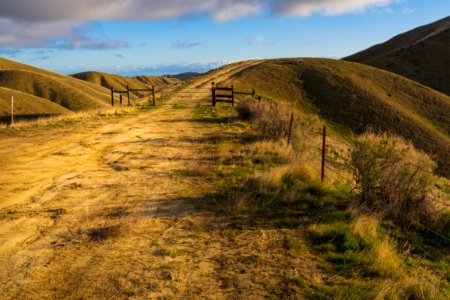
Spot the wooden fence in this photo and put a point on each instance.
(226, 94)
(127, 92)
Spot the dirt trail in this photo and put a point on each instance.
(85, 182)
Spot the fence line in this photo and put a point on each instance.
(127, 92)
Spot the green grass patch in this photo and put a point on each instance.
(179, 106)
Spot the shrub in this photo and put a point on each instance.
(272, 118)
(393, 178)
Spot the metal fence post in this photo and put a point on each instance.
(324, 136)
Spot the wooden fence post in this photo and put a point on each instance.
(12, 111)
(213, 91)
(324, 136)
(121, 100)
(112, 96)
(128, 95)
(232, 95)
(153, 93)
(290, 129)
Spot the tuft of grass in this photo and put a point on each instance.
(167, 251)
(93, 233)
(179, 105)
(359, 246)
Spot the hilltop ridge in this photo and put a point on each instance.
(421, 54)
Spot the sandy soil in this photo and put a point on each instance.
(103, 209)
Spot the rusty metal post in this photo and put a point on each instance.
(290, 129)
(324, 136)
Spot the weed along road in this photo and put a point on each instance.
(106, 207)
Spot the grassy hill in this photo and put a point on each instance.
(421, 54)
(27, 106)
(359, 97)
(65, 91)
(120, 82)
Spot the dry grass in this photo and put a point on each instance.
(383, 255)
(271, 118)
(72, 117)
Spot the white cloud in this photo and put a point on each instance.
(407, 11)
(258, 41)
(46, 23)
(229, 10)
(184, 44)
(305, 8)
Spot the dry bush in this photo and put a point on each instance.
(272, 118)
(196, 168)
(93, 233)
(394, 178)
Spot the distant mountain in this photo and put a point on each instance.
(184, 76)
(422, 54)
(41, 92)
(359, 97)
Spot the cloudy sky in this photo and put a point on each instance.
(168, 36)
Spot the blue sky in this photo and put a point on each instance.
(170, 36)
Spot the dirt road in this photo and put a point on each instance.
(106, 209)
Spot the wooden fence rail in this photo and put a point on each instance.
(127, 92)
(226, 94)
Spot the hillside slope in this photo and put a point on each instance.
(421, 54)
(63, 90)
(360, 97)
(120, 82)
(27, 106)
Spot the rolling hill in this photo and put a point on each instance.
(120, 82)
(422, 54)
(27, 106)
(359, 97)
(64, 91)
